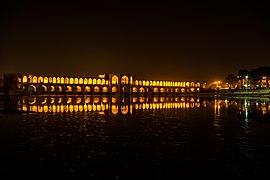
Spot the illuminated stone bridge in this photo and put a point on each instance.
(105, 84)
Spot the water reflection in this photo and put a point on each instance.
(106, 104)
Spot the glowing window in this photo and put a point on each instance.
(78, 88)
(85, 81)
(136, 82)
(90, 81)
(76, 81)
(40, 79)
(87, 89)
(114, 79)
(182, 90)
(103, 81)
(142, 90)
(143, 83)
(62, 80)
(96, 89)
(66, 80)
(124, 80)
(50, 79)
(34, 79)
(71, 80)
(114, 89)
(162, 90)
(155, 90)
(81, 81)
(54, 79)
(134, 89)
(105, 89)
(24, 79)
(94, 81)
(98, 81)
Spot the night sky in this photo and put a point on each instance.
(163, 41)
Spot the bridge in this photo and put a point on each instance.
(104, 84)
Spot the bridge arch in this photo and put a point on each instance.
(142, 90)
(135, 89)
(96, 89)
(78, 89)
(162, 90)
(105, 89)
(156, 90)
(124, 80)
(114, 89)
(87, 89)
(114, 79)
(32, 89)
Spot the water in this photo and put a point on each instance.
(136, 137)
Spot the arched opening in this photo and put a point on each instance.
(105, 89)
(135, 89)
(162, 90)
(81, 81)
(69, 89)
(183, 90)
(114, 109)
(46, 79)
(60, 89)
(87, 89)
(62, 80)
(142, 90)
(66, 80)
(32, 89)
(177, 90)
(124, 80)
(85, 81)
(114, 79)
(54, 80)
(94, 81)
(78, 89)
(90, 81)
(155, 90)
(35, 79)
(40, 79)
(114, 89)
(71, 80)
(24, 79)
(96, 89)
(136, 83)
(98, 81)
(124, 109)
(103, 82)
(76, 81)
(52, 89)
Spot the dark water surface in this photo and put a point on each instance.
(202, 137)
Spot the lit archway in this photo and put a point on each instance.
(96, 89)
(114, 89)
(105, 89)
(124, 80)
(114, 79)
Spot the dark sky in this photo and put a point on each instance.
(183, 41)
